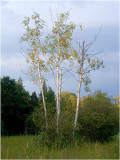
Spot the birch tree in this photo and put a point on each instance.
(59, 48)
(34, 26)
(85, 64)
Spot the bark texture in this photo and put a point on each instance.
(79, 89)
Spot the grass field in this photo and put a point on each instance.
(23, 147)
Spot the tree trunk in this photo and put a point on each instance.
(43, 102)
(58, 87)
(43, 98)
(40, 78)
(57, 102)
(60, 78)
(79, 87)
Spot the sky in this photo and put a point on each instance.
(91, 14)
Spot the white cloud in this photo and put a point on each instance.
(91, 14)
(13, 63)
(95, 14)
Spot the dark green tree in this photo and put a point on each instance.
(36, 121)
(98, 118)
(38, 115)
(14, 106)
(30, 127)
(49, 97)
(2, 128)
(68, 106)
(34, 101)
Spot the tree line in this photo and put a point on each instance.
(22, 113)
(17, 105)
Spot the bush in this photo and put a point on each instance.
(66, 121)
(30, 127)
(98, 118)
(45, 137)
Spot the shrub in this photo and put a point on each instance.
(98, 118)
(30, 127)
(45, 137)
(66, 121)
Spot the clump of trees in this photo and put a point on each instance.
(17, 107)
(66, 121)
(14, 106)
(47, 52)
(98, 118)
(56, 118)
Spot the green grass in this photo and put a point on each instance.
(23, 147)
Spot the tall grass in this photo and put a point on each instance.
(23, 147)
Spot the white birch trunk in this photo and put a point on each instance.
(43, 98)
(58, 87)
(43, 101)
(40, 79)
(78, 100)
(57, 102)
(60, 83)
(79, 87)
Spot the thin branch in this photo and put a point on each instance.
(71, 74)
(90, 44)
(67, 70)
(51, 70)
(92, 55)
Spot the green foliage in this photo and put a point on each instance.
(14, 106)
(66, 127)
(68, 106)
(2, 128)
(34, 101)
(45, 137)
(36, 120)
(34, 28)
(86, 81)
(61, 37)
(98, 118)
(117, 100)
(38, 115)
(49, 98)
(68, 102)
(30, 127)
(66, 121)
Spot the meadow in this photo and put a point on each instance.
(24, 147)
